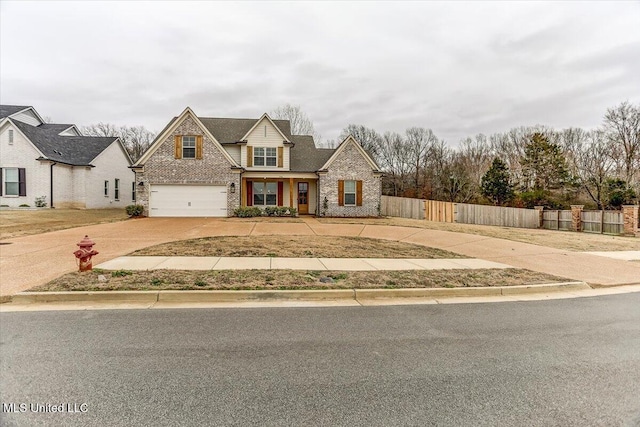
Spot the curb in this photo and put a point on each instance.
(203, 296)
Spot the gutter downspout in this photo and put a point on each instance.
(51, 186)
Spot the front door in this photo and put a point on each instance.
(303, 197)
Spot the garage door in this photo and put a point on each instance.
(188, 200)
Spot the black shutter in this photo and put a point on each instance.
(22, 182)
(1, 182)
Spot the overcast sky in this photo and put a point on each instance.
(459, 68)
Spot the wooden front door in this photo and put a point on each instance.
(303, 197)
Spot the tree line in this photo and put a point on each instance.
(523, 167)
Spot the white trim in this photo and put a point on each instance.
(28, 108)
(341, 148)
(75, 129)
(355, 192)
(177, 122)
(265, 115)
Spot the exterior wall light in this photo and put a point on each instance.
(232, 187)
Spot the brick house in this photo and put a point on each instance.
(199, 166)
(55, 163)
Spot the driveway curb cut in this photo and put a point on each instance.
(204, 296)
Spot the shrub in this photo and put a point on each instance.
(24, 205)
(134, 210)
(247, 212)
(41, 202)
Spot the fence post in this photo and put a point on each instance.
(540, 210)
(630, 219)
(576, 217)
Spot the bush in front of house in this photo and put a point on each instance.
(41, 202)
(252, 211)
(247, 212)
(134, 210)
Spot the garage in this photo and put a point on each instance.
(188, 200)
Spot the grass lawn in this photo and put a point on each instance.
(291, 279)
(295, 246)
(15, 223)
(580, 242)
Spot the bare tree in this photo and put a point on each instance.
(418, 141)
(370, 140)
(622, 124)
(476, 157)
(300, 122)
(135, 139)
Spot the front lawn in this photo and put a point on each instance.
(123, 280)
(16, 222)
(295, 247)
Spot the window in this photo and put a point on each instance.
(188, 147)
(265, 156)
(106, 189)
(11, 182)
(10, 136)
(265, 193)
(350, 193)
(133, 191)
(116, 189)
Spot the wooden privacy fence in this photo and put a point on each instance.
(604, 222)
(402, 207)
(438, 211)
(497, 215)
(557, 220)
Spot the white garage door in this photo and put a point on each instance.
(188, 200)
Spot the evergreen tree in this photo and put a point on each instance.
(544, 165)
(496, 184)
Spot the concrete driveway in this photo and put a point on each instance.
(34, 260)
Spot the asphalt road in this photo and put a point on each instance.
(562, 362)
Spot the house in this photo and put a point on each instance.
(56, 164)
(199, 166)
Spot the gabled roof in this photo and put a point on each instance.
(10, 110)
(265, 116)
(188, 112)
(230, 131)
(71, 150)
(351, 140)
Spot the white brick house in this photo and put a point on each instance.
(199, 166)
(54, 162)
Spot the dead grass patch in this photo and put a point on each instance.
(566, 240)
(15, 223)
(295, 246)
(292, 279)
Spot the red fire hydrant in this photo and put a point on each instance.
(85, 253)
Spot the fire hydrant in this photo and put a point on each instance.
(85, 253)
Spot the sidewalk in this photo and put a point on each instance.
(273, 263)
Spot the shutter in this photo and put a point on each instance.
(1, 183)
(280, 157)
(340, 193)
(249, 193)
(178, 146)
(22, 182)
(249, 156)
(199, 147)
(358, 193)
(280, 191)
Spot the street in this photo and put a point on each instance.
(573, 362)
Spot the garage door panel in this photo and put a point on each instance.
(188, 200)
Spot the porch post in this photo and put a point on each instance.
(290, 192)
(243, 193)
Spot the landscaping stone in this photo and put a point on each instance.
(102, 278)
(326, 280)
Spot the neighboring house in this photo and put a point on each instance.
(54, 161)
(200, 166)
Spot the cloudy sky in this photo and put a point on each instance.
(459, 68)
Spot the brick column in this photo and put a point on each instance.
(540, 210)
(630, 219)
(576, 217)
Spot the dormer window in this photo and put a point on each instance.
(265, 156)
